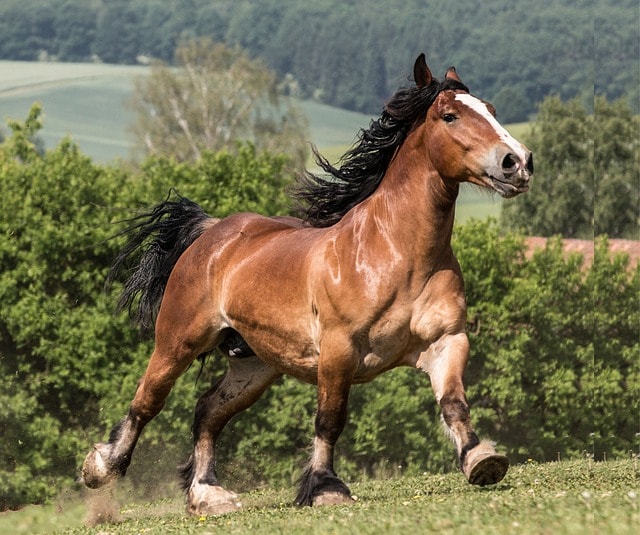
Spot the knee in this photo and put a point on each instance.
(146, 408)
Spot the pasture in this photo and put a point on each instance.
(88, 103)
(569, 497)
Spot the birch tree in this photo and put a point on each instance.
(215, 97)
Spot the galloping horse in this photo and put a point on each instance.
(366, 281)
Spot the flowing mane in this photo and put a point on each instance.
(323, 200)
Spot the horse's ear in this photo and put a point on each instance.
(421, 73)
(451, 74)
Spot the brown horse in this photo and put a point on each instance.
(365, 282)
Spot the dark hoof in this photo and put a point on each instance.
(483, 466)
(322, 488)
(489, 470)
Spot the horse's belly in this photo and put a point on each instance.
(288, 350)
(305, 369)
(373, 365)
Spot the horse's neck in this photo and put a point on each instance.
(416, 207)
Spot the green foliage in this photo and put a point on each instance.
(70, 366)
(586, 172)
(554, 366)
(354, 54)
(58, 344)
(222, 182)
(25, 142)
(616, 136)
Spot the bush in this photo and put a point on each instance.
(71, 365)
(554, 366)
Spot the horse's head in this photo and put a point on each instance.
(467, 143)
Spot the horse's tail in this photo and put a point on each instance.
(158, 239)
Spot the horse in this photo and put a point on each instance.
(365, 280)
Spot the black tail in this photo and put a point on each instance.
(158, 239)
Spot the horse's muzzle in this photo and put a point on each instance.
(509, 173)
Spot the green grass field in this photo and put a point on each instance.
(570, 497)
(84, 101)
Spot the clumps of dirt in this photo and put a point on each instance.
(102, 506)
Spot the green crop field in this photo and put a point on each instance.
(570, 497)
(83, 101)
(88, 103)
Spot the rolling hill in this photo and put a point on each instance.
(88, 102)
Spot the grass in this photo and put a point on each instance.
(570, 497)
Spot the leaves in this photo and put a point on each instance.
(586, 178)
(71, 365)
(550, 341)
(554, 365)
(355, 54)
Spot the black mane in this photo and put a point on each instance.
(324, 200)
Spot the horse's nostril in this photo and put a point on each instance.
(530, 164)
(509, 162)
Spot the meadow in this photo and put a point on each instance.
(569, 497)
(88, 102)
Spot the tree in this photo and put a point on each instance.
(55, 329)
(117, 34)
(69, 366)
(216, 97)
(586, 172)
(586, 180)
(617, 179)
(75, 27)
(25, 141)
(561, 197)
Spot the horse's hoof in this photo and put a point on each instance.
(332, 498)
(95, 470)
(483, 466)
(489, 470)
(204, 500)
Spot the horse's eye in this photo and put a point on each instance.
(449, 117)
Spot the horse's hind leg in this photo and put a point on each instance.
(445, 363)
(183, 331)
(244, 382)
(107, 461)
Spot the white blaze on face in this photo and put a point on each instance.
(481, 109)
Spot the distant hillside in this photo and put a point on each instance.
(87, 103)
(354, 54)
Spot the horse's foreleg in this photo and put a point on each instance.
(239, 388)
(319, 484)
(445, 362)
(107, 461)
